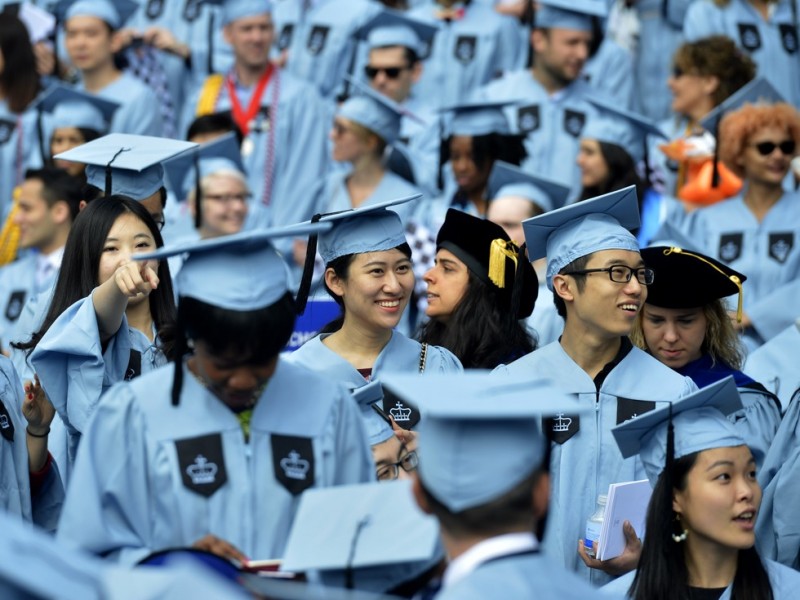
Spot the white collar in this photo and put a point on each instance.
(486, 550)
(53, 259)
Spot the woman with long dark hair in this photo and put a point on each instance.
(110, 318)
(701, 518)
(480, 288)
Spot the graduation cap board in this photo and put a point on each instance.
(622, 127)
(114, 12)
(74, 108)
(568, 233)
(391, 28)
(219, 154)
(122, 163)
(233, 10)
(373, 110)
(376, 423)
(509, 180)
(699, 420)
(477, 117)
(570, 14)
(480, 435)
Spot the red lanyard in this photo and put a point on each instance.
(240, 117)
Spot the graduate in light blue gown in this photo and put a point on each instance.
(232, 432)
(758, 231)
(685, 325)
(549, 101)
(317, 42)
(700, 520)
(473, 45)
(481, 474)
(587, 244)
(773, 363)
(97, 20)
(283, 119)
(610, 70)
(768, 34)
(369, 274)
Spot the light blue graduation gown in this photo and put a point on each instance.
(520, 577)
(336, 198)
(767, 252)
(151, 475)
(466, 53)
(772, 44)
(320, 40)
(138, 111)
(552, 125)
(585, 463)
(75, 371)
(19, 150)
(17, 286)
(610, 70)
(15, 487)
(422, 140)
(300, 149)
(775, 366)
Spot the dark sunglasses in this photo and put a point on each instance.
(766, 148)
(390, 72)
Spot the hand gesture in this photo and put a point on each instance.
(627, 561)
(36, 408)
(220, 547)
(134, 278)
(163, 39)
(407, 437)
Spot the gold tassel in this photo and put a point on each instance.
(498, 251)
(9, 235)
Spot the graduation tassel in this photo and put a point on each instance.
(499, 250)
(198, 194)
(308, 271)
(108, 170)
(180, 350)
(46, 159)
(519, 283)
(715, 171)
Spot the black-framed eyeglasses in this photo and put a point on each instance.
(408, 463)
(787, 147)
(390, 72)
(622, 274)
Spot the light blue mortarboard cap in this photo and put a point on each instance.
(757, 91)
(509, 180)
(74, 108)
(478, 117)
(241, 9)
(241, 272)
(393, 28)
(480, 435)
(621, 127)
(568, 233)
(353, 525)
(670, 235)
(378, 429)
(373, 110)
(134, 162)
(569, 14)
(700, 423)
(366, 229)
(220, 154)
(113, 12)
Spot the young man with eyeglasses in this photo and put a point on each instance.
(599, 281)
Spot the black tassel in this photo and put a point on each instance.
(715, 172)
(308, 271)
(181, 348)
(108, 170)
(198, 194)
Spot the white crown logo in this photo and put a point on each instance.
(294, 466)
(201, 471)
(561, 423)
(400, 413)
(3, 422)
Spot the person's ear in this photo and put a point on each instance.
(419, 495)
(334, 282)
(563, 287)
(541, 495)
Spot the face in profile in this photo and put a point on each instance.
(447, 282)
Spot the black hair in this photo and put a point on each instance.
(341, 266)
(91, 193)
(80, 268)
(621, 173)
(214, 123)
(481, 332)
(662, 573)
(19, 80)
(58, 186)
(576, 265)
(489, 148)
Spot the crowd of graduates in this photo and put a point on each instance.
(298, 296)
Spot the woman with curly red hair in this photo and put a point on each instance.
(758, 231)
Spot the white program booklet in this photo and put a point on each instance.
(626, 502)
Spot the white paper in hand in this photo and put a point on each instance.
(626, 502)
(40, 24)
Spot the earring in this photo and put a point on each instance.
(683, 535)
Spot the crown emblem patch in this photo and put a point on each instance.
(400, 413)
(6, 424)
(780, 245)
(201, 471)
(202, 464)
(561, 428)
(294, 466)
(293, 462)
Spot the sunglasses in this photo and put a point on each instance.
(766, 148)
(390, 72)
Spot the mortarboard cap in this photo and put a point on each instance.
(373, 110)
(393, 28)
(480, 435)
(699, 420)
(759, 90)
(670, 235)
(217, 155)
(241, 272)
(241, 9)
(122, 163)
(366, 229)
(113, 12)
(689, 279)
(569, 14)
(622, 127)
(568, 233)
(492, 257)
(478, 117)
(378, 429)
(509, 180)
(74, 108)
(351, 527)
